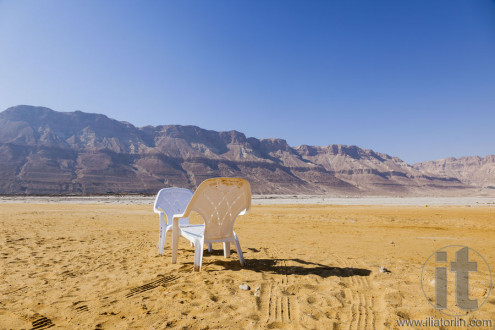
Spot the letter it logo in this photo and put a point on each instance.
(456, 280)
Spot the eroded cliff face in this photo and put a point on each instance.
(476, 171)
(47, 152)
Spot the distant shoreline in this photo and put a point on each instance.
(261, 200)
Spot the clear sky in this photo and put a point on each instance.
(414, 79)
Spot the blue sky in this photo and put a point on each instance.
(414, 79)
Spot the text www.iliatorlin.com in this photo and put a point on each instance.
(455, 322)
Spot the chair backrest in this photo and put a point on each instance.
(219, 201)
(173, 201)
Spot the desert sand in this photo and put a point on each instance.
(82, 266)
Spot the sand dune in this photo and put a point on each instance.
(316, 266)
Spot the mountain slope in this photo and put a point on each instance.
(47, 152)
(473, 170)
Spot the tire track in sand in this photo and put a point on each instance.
(358, 298)
(277, 305)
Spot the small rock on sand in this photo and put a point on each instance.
(244, 287)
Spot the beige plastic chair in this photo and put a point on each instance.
(218, 201)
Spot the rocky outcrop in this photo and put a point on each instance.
(47, 152)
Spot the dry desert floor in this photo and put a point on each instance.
(95, 266)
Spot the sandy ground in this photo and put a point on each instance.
(82, 266)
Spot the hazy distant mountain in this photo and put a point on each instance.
(473, 170)
(47, 152)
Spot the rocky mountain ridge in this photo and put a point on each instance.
(48, 152)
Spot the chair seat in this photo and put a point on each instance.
(192, 232)
(196, 232)
(187, 226)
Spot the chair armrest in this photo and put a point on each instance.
(176, 218)
(179, 216)
(175, 223)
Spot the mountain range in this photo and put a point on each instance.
(43, 151)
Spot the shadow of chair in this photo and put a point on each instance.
(292, 267)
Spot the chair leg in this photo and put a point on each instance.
(198, 255)
(161, 239)
(175, 244)
(161, 244)
(162, 234)
(209, 247)
(239, 251)
(226, 249)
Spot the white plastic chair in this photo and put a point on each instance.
(218, 201)
(170, 201)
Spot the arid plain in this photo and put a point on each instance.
(308, 266)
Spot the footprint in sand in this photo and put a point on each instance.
(162, 281)
(82, 309)
(42, 323)
(19, 291)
